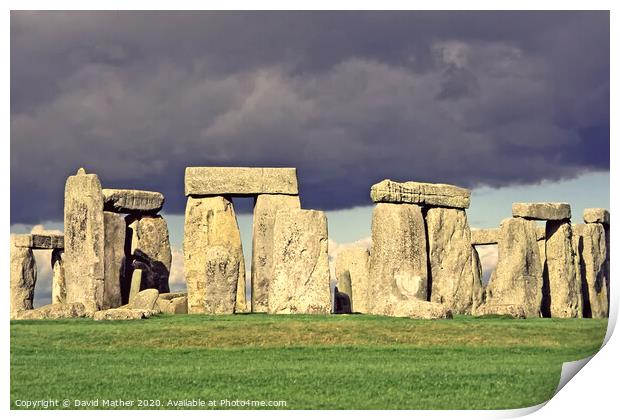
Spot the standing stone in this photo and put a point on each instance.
(114, 262)
(219, 282)
(150, 250)
(136, 284)
(590, 251)
(59, 288)
(211, 221)
(265, 209)
(398, 258)
(564, 297)
(84, 241)
(353, 276)
(449, 240)
(301, 268)
(542, 252)
(478, 288)
(517, 280)
(23, 278)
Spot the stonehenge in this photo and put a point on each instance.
(114, 259)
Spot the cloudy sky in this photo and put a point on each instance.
(514, 105)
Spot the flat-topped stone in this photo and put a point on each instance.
(442, 195)
(596, 216)
(484, 236)
(214, 180)
(541, 211)
(40, 241)
(132, 201)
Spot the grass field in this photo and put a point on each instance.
(328, 362)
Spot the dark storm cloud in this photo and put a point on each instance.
(348, 98)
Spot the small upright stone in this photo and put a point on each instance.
(132, 201)
(23, 278)
(59, 288)
(444, 195)
(220, 282)
(352, 273)
(150, 250)
(478, 289)
(596, 215)
(398, 258)
(136, 284)
(265, 208)
(541, 211)
(564, 298)
(301, 269)
(518, 279)
(84, 240)
(114, 259)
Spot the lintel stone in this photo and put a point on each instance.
(442, 195)
(596, 216)
(213, 180)
(40, 241)
(484, 236)
(132, 201)
(541, 211)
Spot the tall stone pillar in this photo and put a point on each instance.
(210, 221)
(565, 299)
(517, 281)
(114, 258)
(398, 258)
(84, 241)
(450, 254)
(301, 268)
(265, 208)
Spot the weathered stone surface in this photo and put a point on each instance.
(59, 288)
(145, 300)
(444, 195)
(342, 302)
(220, 282)
(514, 311)
(122, 314)
(540, 233)
(54, 311)
(518, 279)
(114, 259)
(40, 240)
(542, 252)
(211, 221)
(265, 208)
(84, 240)
(352, 273)
(132, 201)
(417, 309)
(449, 254)
(136, 284)
(150, 250)
(563, 299)
(398, 258)
(23, 277)
(596, 215)
(590, 250)
(172, 295)
(484, 236)
(478, 289)
(214, 180)
(301, 269)
(541, 211)
(176, 305)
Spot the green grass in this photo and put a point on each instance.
(328, 362)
